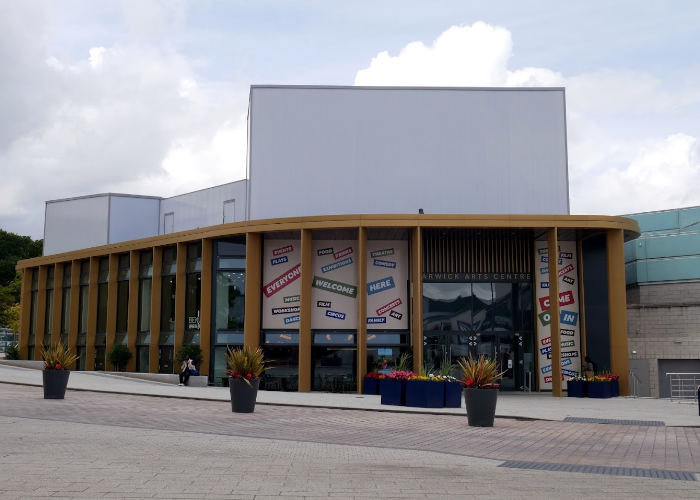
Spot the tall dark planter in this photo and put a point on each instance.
(393, 392)
(599, 390)
(425, 394)
(614, 388)
(453, 394)
(481, 406)
(371, 386)
(243, 396)
(577, 389)
(55, 383)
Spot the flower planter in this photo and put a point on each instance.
(425, 394)
(614, 388)
(453, 394)
(599, 390)
(481, 406)
(55, 383)
(371, 386)
(393, 392)
(577, 389)
(243, 396)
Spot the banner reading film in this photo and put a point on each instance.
(387, 277)
(334, 285)
(569, 321)
(281, 284)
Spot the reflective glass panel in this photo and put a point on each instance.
(334, 369)
(102, 308)
(122, 306)
(229, 338)
(334, 338)
(483, 298)
(65, 313)
(230, 300)
(447, 306)
(386, 338)
(167, 304)
(83, 308)
(231, 263)
(282, 338)
(192, 301)
(145, 305)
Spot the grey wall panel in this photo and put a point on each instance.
(132, 217)
(205, 207)
(76, 223)
(315, 151)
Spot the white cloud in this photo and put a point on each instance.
(125, 118)
(627, 152)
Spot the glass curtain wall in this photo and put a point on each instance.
(166, 339)
(83, 313)
(123, 298)
(65, 302)
(193, 297)
(48, 317)
(33, 304)
(143, 339)
(102, 299)
(229, 303)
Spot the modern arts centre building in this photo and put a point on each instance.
(372, 222)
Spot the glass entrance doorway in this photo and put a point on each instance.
(460, 319)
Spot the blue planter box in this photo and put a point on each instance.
(371, 386)
(393, 392)
(453, 394)
(425, 394)
(614, 388)
(577, 389)
(599, 390)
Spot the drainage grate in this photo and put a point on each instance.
(583, 420)
(598, 469)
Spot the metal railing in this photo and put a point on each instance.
(634, 384)
(684, 386)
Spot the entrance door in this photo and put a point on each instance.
(165, 359)
(435, 349)
(506, 348)
(99, 359)
(169, 223)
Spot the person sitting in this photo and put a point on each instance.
(187, 369)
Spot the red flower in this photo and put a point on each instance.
(250, 376)
(469, 383)
(58, 367)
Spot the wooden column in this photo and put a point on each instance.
(180, 296)
(132, 329)
(112, 284)
(25, 312)
(305, 312)
(417, 298)
(40, 312)
(74, 315)
(361, 307)
(253, 289)
(205, 326)
(92, 314)
(617, 307)
(553, 255)
(57, 304)
(156, 289)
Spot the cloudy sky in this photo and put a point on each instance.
(150, 96)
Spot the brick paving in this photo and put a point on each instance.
(654, 447)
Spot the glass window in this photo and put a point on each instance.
(146, 264)
(103, 274)
(142, 358)
(83, 307)
(230, 300)
(282, 338)
(145, 305)
(35, 279)
(231, 263)
(334, 369)
(334, 338)
(384, 358)
(50, 278)
(32, 313)
(85, 272)
(229, 338)
(387, 339)
(230, 248)
(65, 313)
(447, 306)
(193, 301)
(503, 306)
(48, 317)
(122, 306)
(67, 270)
(102, 293)
(483, 300)
(169, 260)
(283, 368)
(167, 304)
(124, 266)
(194, 251)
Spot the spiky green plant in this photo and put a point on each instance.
(479, 373)
(447, 369)
(426, 370)
(245, 363)
(404, 363)
(57, 357)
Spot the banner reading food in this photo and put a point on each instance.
(569, 324)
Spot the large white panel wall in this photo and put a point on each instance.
(204, 208)
(132, 217)
(355, 150)
(76, 223)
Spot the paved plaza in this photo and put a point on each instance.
(101, 444)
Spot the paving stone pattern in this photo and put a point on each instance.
(629, 446)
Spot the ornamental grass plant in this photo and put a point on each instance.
(57, 357)
(245, 363)
(479, 373)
